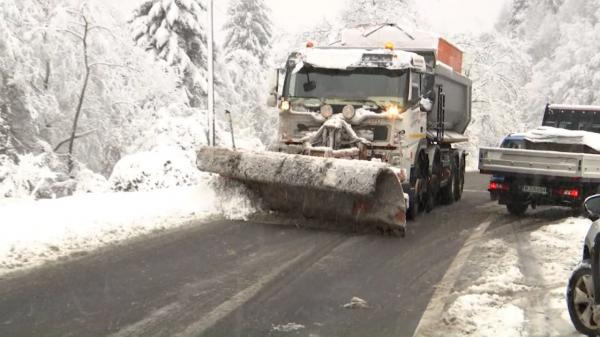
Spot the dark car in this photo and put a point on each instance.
(584, 306)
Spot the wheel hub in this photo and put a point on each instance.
(585, 306)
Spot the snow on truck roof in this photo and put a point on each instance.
(375, 35)
(349, 58)
(565, 107)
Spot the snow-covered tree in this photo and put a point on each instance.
(175, 30)
(247, 49)
(248, 28)
(499, 68)
(362, 12)
(570, 74)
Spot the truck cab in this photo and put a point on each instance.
(382, 94)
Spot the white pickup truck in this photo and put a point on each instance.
(557, 164)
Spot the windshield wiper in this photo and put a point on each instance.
(372, 103)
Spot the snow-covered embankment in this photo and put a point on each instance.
(34, 232)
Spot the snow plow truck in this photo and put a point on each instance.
(364, 124)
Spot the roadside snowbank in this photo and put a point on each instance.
(515, 285)
(34, 232)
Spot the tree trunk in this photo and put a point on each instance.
(82, 93)
(47, 76)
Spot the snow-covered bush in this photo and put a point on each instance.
(88, 181)
(35, 176)
(161, 168)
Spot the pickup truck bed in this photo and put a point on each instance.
(581, 166)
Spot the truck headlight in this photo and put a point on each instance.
(348, 112)
(326, 111)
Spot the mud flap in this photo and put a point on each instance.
(347, 191)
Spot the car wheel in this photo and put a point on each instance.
(580, 300)
(517, 208)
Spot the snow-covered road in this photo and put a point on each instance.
(264, 278)
(514, 283)
(35, 232)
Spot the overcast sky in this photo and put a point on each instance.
(446, 16)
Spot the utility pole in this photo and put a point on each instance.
(211, 72)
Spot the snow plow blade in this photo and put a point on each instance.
(345, 191)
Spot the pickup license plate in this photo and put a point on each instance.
(535, 189)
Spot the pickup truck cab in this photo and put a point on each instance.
(559, 168)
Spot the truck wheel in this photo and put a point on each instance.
(413, 206)
(580, 300)
(448, 192)
(433, 187)
(419, 196)
(517, 207)
(460, 182)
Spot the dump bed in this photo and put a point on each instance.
(553, 164)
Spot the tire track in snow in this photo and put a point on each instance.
(507, 240)
(437, 304)
(533, 301)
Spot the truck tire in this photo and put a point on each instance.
(460, 182)
(517, 208)
(419, 196)
(448, 192)
(413, 206)
(433, 188)
(580, 302)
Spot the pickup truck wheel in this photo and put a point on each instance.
(580, 300)
(517, 208)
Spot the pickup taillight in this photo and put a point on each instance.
(495, 187)
(573, 193)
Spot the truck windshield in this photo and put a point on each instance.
(357, 84)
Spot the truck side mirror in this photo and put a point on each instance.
(415, 95)
(592, 207)
(273, 82)
(272, 101)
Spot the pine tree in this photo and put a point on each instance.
(175, 30)
(248, 28)
(517, 16)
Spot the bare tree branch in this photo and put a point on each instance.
(104, 28)
(112, 65)
(70, 32)
(83, 134)
(77, 23)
